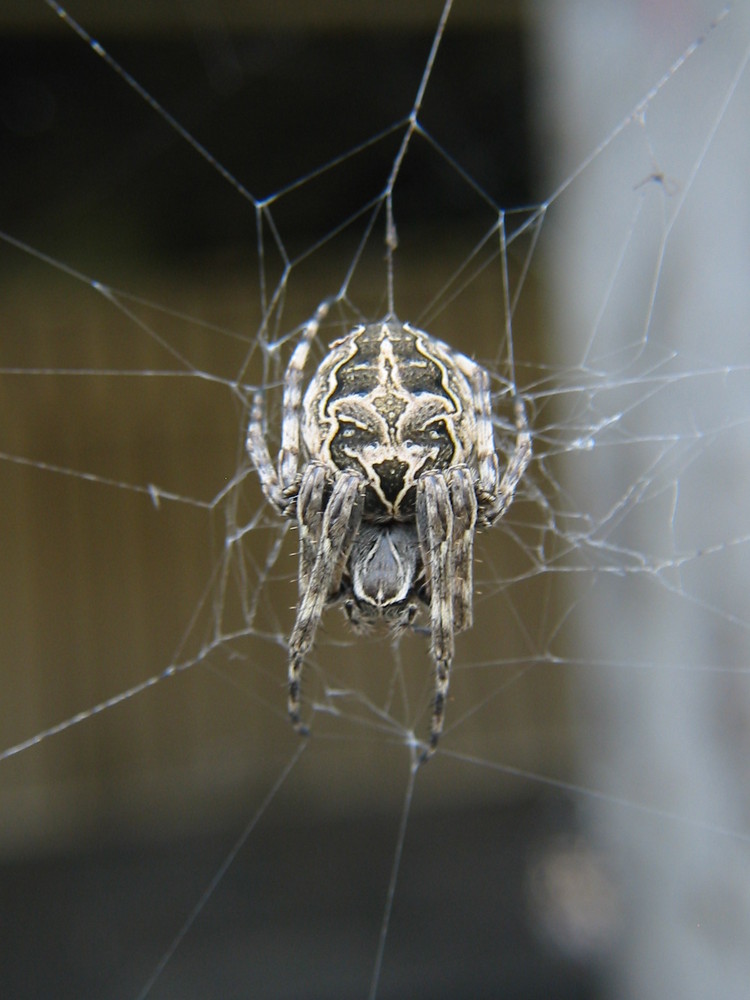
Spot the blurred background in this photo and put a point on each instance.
(585, 834)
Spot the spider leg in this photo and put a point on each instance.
(340, 522)
(495, 504)
(495, 492)
(310, 504)
(464, 504)
(279, 483)
(487, 464)
(292, 401)
(257, 449)
(435, 531)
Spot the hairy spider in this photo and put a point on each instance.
(388, 464)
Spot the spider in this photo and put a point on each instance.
(388, 465)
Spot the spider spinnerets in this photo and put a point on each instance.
(388, 464)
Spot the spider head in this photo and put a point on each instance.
(384, 563)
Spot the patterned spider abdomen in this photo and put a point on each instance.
(393, 403)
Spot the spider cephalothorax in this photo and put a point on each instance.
(388, 464)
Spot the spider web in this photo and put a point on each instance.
(599, 707)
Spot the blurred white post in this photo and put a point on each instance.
(668, 707)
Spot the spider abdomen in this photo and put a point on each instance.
(387, 401)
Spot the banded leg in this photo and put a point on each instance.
(257, 449)
(495, 492)
(292, 401)
(464, 503)
(496, 505)
(279, 483)
(316, 480)
(341, 519)
(435, 530)
(487, 464)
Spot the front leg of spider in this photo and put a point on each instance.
(341, 519)
(464, 504)
(316, 480)
(435, 523)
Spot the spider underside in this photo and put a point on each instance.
(388, 465)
